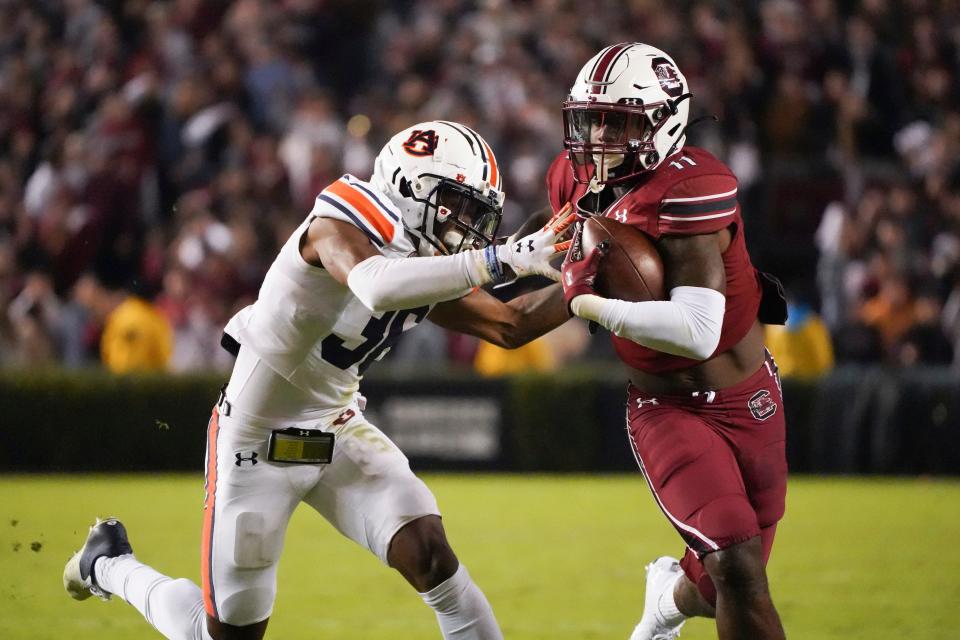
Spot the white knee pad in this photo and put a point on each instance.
(246, 587)
(257, 542)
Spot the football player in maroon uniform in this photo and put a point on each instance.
(705, 413)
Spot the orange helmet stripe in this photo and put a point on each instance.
(494, 173)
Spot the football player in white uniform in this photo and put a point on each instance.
(371, 260)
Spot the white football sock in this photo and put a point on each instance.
(173, 606)
(462, 610)
(667, 611)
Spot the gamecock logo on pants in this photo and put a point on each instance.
(761, 405)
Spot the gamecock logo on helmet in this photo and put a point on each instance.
(667, 75)
(421, 143)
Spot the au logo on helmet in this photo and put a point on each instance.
(667, 75)
(421, 143)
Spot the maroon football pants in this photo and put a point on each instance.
(716, 464)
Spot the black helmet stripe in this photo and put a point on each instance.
(479, 147)
(483, 153)
(460, 131)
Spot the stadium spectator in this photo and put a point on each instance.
(197, 318)
(892, 311)
(34, 316)
(534, 357)
(924, 342)
(951, 320)
(136, 337)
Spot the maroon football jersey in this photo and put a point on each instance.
(690, 193)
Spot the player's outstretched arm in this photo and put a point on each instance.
(384, 284)
(506, 324)
(687, 325)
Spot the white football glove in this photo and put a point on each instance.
(531, 254)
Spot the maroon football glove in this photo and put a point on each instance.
(579, 272)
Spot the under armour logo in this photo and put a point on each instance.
(252, 458)
(641, 402)
(519, 246)
(620, 216)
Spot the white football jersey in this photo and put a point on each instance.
(311, 329)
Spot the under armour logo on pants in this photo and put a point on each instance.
(252, 458)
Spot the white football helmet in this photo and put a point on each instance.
(446, 182)
(626, 112)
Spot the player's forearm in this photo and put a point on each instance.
(535, 314)
(688, 325)
(382, 284)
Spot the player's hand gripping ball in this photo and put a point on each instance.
(579, 271)
(631, 268)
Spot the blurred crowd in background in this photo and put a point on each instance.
(155, 154)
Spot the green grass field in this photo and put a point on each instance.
(558, 556)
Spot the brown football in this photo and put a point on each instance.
(632, 269)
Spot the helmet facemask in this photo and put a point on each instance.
(611, 143)
(457, 216)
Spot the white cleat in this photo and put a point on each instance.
(662, 574)
(106, 538)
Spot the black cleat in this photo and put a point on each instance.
(106, 538)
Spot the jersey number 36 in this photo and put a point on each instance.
(380, 334)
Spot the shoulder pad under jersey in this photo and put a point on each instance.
(695, 193)
(358, 203)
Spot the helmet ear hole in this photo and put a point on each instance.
(405, 188)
